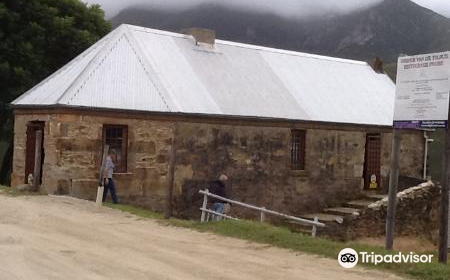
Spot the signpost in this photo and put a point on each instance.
(422, 92)
(421, 102)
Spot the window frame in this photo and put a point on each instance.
(298, 149)
(123, 166)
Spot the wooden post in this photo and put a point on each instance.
(393, 185)
(101, 182)
(314, 229)
(37, 161)
(170, 185)
(205, 203)
(444, 215)
(263, 216)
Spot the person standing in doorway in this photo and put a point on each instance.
(218, 188)
(108, 176)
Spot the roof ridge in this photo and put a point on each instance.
(153, 77)
(60, 70)
(250, 46)
(113, 36)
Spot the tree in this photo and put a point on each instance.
(36, 38)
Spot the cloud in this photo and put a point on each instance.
(289, 8)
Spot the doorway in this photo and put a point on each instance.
(30, 151)
(372, 162)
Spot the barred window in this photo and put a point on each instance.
(297, 149)
(116, 136)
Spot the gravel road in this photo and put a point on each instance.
(48, 237)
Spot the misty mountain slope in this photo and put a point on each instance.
(242, 26)
(386, 30)
(389, 29)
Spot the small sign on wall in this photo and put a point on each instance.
(373, 182)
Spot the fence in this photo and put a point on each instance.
(263, 211)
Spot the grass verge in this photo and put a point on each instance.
(15, 192)
(283, 238)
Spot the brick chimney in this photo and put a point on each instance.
(201, 35)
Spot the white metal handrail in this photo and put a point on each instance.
(262, 210)
(218, 214)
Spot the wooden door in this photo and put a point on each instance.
(30, 151)
(372, 162)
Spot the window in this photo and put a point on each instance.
(297, 149)
(116, 136)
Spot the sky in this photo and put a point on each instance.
(300, 8)
(439, 6)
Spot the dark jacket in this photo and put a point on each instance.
(218, 188)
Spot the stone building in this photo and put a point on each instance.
(295, 132)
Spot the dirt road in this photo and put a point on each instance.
(45, 237)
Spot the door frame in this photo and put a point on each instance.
(32, 127)
(372, 161)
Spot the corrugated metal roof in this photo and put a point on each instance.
(136, 68)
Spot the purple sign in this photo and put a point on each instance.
(420, 124)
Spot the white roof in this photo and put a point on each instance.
(136, 68)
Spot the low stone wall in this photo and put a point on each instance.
(405, 182)
(417, 214)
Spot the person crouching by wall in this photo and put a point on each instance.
(108, 176)
(217, 187)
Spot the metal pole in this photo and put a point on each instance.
(263, 216)
(37, 161)
(170, 185)
(314, 229)
(425, 156)
(205, 202)
(443, 225)
(101, 179)
(393, 185)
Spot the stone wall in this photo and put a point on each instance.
(412, 146)
(256, 158)
(417, 214)
(73, 150)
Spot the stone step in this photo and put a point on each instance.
(360, 204)
(324, 217)
(375, 197)
(342, 211)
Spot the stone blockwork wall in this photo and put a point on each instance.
(412, 146)
(256, 158)
(73, 150)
